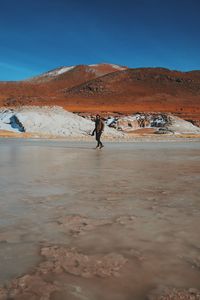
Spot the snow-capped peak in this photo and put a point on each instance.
(114, 66)
(57, 71)
(117, 67)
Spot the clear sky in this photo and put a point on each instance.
(39, 35)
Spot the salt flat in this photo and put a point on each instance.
(109, 224)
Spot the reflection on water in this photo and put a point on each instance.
(157, 184)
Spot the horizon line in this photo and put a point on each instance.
(102, 63)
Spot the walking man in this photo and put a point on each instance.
(99, 128)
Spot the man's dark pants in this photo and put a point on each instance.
(98, 136)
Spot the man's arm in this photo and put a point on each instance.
(102, 125)
(94, 130)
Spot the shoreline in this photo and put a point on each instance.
(125, 139)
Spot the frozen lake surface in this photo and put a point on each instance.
(137, 200)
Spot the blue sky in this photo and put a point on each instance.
(39, 35)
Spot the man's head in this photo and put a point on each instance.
(98, 117)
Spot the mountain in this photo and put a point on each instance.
(77, 74)
(145, 89)
(110, 88)
(45, 87)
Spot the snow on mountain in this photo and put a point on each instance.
(65, 69)
(118, 67)
(57, 71)
(98, 69)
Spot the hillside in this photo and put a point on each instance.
(110, 88)
(147, 89)
(46, 87)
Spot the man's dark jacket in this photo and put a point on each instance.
(99, 126)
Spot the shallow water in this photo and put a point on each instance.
(153, 187)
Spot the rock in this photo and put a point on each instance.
(163, 130)
(76, 263)
(165, 293)
(32, 287)
(127, 123)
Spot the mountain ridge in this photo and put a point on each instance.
(109, 88)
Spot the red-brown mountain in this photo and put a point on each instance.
(110, 88)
